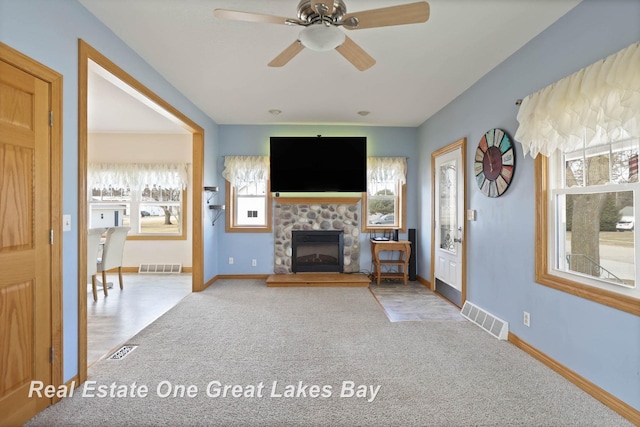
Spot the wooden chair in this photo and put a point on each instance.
(112, 254)
(94, 235)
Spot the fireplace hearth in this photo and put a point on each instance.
(317, 251)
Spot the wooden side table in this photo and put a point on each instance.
(402, 247)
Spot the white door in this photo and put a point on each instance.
(448, 232)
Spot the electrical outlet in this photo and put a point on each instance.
(254, 262)
(526, 319)
(230, 260)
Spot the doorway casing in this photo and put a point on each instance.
(86, 54)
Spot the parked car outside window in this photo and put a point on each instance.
(625, 224)
(385, 219)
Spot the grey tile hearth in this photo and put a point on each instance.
(413, 302)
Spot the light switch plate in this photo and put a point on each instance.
(471, 215)
(66, 222)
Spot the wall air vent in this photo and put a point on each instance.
(160, 268)
(496, 327)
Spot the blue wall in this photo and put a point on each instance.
(597, 342)
(254, 140)
(48, 31)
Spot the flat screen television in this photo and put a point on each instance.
(318, 163)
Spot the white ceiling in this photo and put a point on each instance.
(113, 106)
(221, 66)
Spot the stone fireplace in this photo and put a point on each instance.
(339, 214)
(317, 251)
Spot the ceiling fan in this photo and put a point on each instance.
(322, 19)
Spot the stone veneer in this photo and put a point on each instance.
(290, 216)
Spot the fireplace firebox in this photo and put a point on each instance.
(317, 251)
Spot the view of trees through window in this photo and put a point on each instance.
(598, 236)
(155, 210)
(168, 201)
(382, 203)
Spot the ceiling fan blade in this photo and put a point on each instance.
(355, 54)
(326, 6)
(236, 15)
(412, 13)
(287, 54)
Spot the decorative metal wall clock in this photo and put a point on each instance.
(495, 163)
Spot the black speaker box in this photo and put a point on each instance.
(413, 271)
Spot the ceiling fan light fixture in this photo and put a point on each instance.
(321, 37)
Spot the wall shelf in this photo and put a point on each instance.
(212, 192)
(218, 210)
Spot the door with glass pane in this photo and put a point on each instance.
(448, 222)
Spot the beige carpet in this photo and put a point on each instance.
(321, 357)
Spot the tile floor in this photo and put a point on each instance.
(113, 320)
(413, 302)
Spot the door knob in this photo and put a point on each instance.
(460, 239)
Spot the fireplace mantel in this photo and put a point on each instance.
(317, 200)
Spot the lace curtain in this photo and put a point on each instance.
(137, 175)
(386, 169)
(598, 104)
(239, 170)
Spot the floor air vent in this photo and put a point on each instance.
(496, 327)
(160, 268)
(122, 352)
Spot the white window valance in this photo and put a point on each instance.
(387, 169)
(241, 170)
(598, 104)
(137, 176)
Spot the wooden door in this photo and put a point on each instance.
(25, 248)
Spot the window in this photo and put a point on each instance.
(149, 198)
(586, 128)
(591, 201)
(247, 194)
(385, 196)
